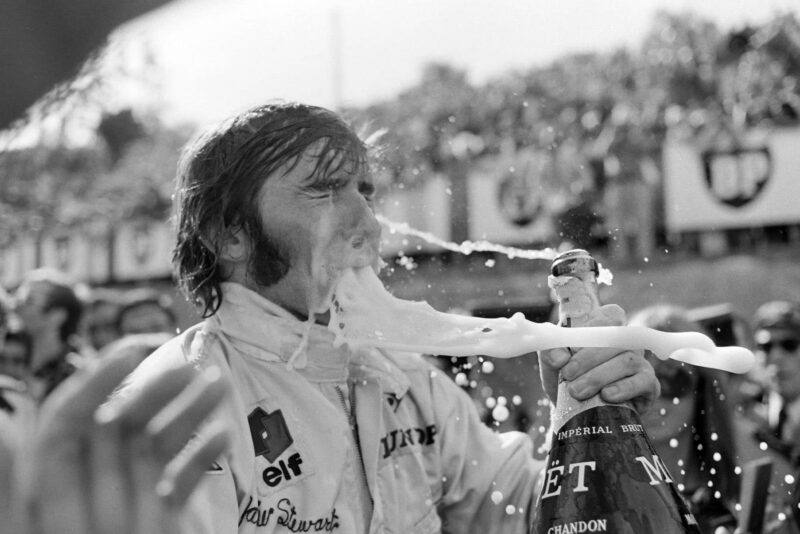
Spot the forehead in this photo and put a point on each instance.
(33, 292)
(327, 157)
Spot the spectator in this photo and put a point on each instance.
(50, 310)
(15, 355)
(691, 426)
(772, 426)
(146, 312)
(777, 337)
(100, 318)
(17, 407)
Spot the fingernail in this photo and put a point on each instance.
(579, 389)
(570, 370)
(165, 489)
(105, 414)
(212, 374)
(558, 357)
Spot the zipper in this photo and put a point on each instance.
(351, 419)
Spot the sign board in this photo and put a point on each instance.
(725, 188)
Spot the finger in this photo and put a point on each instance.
(134, 412)
(144, 472)
(184, 472)
(108, 488)
(587, 359)
(621, 365)
(55, 498)
(607, 315)
(550, 362)
(637, 389)
(555, 358)
(172, 427)
(70, 408)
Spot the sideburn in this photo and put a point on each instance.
(268, 264)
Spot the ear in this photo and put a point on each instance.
(235, 245)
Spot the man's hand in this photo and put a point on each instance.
(122, 467)
(619, 375)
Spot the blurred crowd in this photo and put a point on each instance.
(53, 325)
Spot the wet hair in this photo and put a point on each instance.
(61, 293)
(220, 175)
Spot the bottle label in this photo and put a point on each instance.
(603, 475)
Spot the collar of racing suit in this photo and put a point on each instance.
(263, 330)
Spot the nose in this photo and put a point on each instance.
(367, 228)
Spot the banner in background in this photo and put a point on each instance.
(741, 187)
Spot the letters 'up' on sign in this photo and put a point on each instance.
(736, 177)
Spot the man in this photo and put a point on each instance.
(777, 336)
(772, 428)
(270, 206)
(50, 310)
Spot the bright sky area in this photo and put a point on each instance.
(218, 56)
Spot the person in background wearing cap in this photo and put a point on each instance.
(774, 423)
(777, 337)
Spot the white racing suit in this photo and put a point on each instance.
(346, 441)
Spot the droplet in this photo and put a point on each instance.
(676, 401)
(491, 402)
(763, 446)
(516, 400)
(461, 379)
(487, 367)
(497, 496)
(500, 413)
(717, 457)
(510, 509)
(489, 263)
(789, 479)
(714, 436)
(673, 443)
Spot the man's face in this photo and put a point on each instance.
(321, 225)
(13, 358)
(782, 352)
(30, 304)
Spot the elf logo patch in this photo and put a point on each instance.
(270, 434)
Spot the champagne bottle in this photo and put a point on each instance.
(602, 472)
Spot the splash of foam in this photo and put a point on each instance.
(363, 313)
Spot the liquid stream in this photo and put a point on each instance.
(364, 313)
